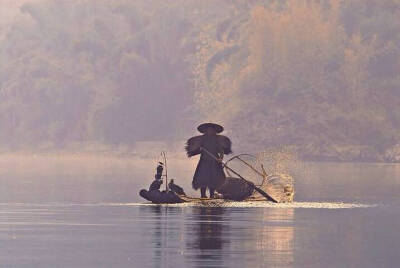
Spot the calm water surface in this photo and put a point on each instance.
(95, 220)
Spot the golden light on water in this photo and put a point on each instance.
(275, 239)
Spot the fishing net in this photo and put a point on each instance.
(279, 186)
(269, 171)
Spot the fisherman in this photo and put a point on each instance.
(175, 188)
(209, 172)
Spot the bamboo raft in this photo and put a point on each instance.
(277, 188)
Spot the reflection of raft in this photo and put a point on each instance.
(234, 189)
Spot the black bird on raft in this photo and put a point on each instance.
(175, 188)
(209, 173)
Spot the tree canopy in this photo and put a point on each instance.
(319, 76)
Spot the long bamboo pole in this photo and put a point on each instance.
(250, 166)
(166, 171)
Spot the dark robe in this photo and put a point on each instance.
(209, 173)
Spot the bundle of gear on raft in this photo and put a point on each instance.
(210, 174)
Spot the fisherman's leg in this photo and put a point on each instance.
(203, 192)
(212, 192)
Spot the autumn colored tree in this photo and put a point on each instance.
(301, 79)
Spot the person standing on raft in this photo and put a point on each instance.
(209, 173)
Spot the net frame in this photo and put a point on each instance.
(280, 186)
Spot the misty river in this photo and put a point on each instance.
(81, 215)
(90, 89)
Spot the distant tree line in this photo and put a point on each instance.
(319, 76)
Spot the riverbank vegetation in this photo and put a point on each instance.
(320, 77)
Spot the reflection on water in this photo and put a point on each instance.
(235, 236)
(275, 240)
(99, 231)
(218, 237)
(163, 232)
(158, 236)
(208, 229)
(211, 235)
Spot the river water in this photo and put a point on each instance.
(344, 215)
